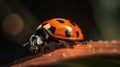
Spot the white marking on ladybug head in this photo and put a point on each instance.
(47, 26)
(39, 41)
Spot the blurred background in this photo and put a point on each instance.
(98, 19)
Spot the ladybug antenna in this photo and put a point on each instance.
(25, 44)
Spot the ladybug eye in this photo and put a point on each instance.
(77, 33)
(33, 39)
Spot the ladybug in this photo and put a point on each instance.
(58, 30)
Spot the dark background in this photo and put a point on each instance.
(79, 11)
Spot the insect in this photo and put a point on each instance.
(58, 30)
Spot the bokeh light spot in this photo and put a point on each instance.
(12, 24)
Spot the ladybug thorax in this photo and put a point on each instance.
(39, 37)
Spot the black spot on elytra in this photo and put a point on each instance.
(61, 21)
(72, 23)
(77, 33)
(52, 29)
(67, 33)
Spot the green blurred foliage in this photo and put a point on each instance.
(107, 17)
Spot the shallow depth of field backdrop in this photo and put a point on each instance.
(99, 20)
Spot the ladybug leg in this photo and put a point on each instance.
(65, 43)
(34, 49)
(45, 48)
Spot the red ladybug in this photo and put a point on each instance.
(58, 30)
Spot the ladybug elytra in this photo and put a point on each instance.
(59, 30)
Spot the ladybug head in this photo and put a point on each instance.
(39, 37)
(34, 40)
